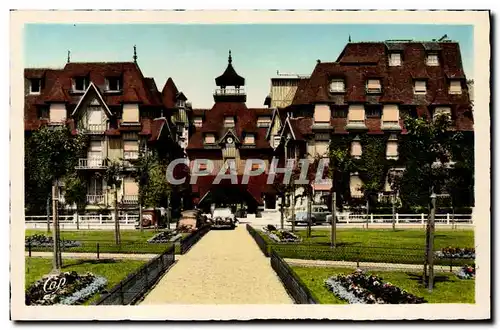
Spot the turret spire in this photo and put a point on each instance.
(69, 56)
(135, 54)
(230, 59)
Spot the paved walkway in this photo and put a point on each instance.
(86, 255)
(224, 267)
(369, 265)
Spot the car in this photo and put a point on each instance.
(223, 218)
(319, 215)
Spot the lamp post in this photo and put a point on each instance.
(393, 201)
(430, 244)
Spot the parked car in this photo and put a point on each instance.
(223, 218)
(318, 215)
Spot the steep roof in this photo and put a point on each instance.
(359, 62)
(245, 122)
(230, 77)
(169, 94)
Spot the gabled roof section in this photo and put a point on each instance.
(92, 90)
(160, 126)
(57, 94)
(231, 133)
(131, 96)
(169, 94)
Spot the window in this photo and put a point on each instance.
(130, 149)
(130, 113)
(455, 87)
(198, 121)
(373, 112)
(229, 122)
(440, 111)
(390, 114)
(35, 86)
(356, 113)
(210, 139)
(181, 103)
(57, 113)
(80, 84)
(43, 112)
(356, 150)
(113, 84)
(395, 59)
(373, 86)
(432, 59)
(420, 87)
(263, 121)
(392, 147)
(249, 139)
(337, 86)
(276, 141)
(95, 153)
(339, 113)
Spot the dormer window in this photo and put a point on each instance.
(395, 59)
(198, 121)
(35, 85)
(373, 86)
(80, 84)
(432, 59)
(249, 139)
(181, 103)
(113, 84)
(455, 87)
(229, 121)
(209, 139)
(263, 121)
(337, 86)
(420, 87)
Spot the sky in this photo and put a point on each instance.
(195, 54)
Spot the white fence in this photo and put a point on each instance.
(98, 221)
(421, 218)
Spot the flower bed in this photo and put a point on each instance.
(456, 253)
(68, 288)
(359, 288)
(165, 237)
(467, 272)
(281, 236)
(40, 240)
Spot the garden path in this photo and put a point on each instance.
(224, 267)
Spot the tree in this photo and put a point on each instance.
(154, 189)
(341, 165)
(51, 153)
(75, 193)
(430, 144)
(113, 177)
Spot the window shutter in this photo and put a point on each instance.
(130, 187)
(392, 149)
(373, 84)
(356, 150)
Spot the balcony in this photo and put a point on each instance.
(91, 163)
(230, 94)
(130, 199)
(230, 91)
(131, 155)
(355, 125)
(96, 199)
(94, 129)
(391, 125)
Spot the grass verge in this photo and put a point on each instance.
(113, 270)
(373, 245)
(448, 288)
(132, 241)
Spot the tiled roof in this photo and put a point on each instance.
(245, 122)
(57, 87)
(169, 94)
(359, 62)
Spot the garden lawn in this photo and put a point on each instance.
(132, 241)
(448, 288)
(113, 270)
(373, 245)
